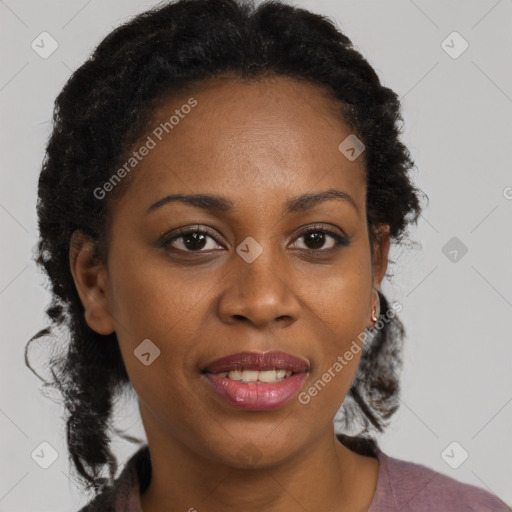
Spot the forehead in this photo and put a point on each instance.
(272, 136)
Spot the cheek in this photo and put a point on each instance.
(340, 306)
(328, 386)
(151, 299)
(155, 341)
(153, 319)
(340, 298)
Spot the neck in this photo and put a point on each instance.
(325, 475)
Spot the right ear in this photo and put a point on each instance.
(91, 279)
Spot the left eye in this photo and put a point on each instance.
(317, 236)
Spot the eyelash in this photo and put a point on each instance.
(340, 240)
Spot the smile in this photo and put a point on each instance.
(257, 381)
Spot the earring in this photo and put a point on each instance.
(375, 314)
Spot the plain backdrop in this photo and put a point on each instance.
(457, 307)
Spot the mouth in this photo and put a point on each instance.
(257, 367)
(256, 381)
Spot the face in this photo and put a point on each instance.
(262, 268)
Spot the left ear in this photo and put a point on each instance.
(380, 255)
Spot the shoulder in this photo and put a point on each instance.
(123, 494)
(405, 485)
(104, 501)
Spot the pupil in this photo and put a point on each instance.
(315, 237)
(198, 240)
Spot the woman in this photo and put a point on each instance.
(216, 207)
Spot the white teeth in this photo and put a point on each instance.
(281, 373)
(268, 376)
(250, 375)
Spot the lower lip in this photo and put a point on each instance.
(257, 396)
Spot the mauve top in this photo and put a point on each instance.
(401, 486)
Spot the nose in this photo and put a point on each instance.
(262, 293)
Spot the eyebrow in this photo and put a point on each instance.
(216, 204)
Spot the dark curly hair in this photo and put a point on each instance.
(104, 109)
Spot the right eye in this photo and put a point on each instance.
(192, 239)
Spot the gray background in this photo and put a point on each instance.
(457, 383)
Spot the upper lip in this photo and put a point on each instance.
(257, 361)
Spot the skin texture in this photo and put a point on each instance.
(256, 143)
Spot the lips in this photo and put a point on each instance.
(257, 361)
(256, 381)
